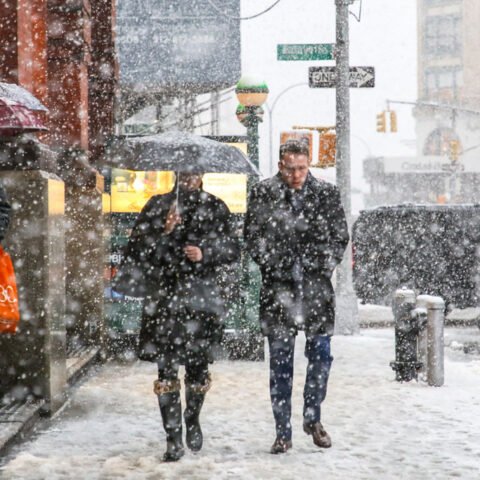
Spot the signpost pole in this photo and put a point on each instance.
(347, 308)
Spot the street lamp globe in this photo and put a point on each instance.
(243, 112)
(252, 91)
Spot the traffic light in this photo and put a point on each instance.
(382, 122)
(393, 122)
(454, 150)
(327, 150)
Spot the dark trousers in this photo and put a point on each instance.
(196, 368)
(317, 352)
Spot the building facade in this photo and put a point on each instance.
(63, 52)
(446, 168)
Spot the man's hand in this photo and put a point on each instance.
(173, 219)
(194, 254)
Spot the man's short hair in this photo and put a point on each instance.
(299, 147)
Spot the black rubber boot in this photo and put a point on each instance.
(171, 411)
(195, 395)
(194, 434)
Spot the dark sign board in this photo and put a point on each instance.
(178, 44)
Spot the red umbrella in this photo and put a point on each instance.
(20, 96)
(16, 118)
(19, 110)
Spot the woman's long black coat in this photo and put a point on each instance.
(296, 252)
(5, 212)
(183, 303)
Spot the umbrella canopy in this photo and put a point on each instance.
(15, 119)
(20, 96)
(179, 152)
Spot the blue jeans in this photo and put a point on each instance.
(317, 352)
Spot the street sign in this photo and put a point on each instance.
(326, 77)
(305, 51)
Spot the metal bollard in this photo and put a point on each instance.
(435, 327)
(421, 312)
(406, 329)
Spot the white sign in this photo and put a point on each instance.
(469, 162)
(326, 77)
(428, 164)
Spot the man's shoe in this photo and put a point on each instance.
(280, 445)
(320, 437)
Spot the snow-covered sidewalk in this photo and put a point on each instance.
(381, 429)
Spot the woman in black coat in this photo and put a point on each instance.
(5, 212)
(172, 258)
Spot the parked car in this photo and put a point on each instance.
(433, 249)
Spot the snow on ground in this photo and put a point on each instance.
(381, 429)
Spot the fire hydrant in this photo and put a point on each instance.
(408, 323)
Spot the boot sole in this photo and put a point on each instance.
(173, 458)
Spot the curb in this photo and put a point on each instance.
(18, 420)
(16, 423)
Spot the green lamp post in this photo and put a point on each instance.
(252, 92)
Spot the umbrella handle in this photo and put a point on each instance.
(177, 196)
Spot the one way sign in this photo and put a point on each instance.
(326, 77)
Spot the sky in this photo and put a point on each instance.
(385, 38)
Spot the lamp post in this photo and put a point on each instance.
(252, 93)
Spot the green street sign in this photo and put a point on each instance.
(305, 51)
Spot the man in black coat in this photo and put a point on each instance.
(173, 255)
(296, 232)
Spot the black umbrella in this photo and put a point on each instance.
(179, 152)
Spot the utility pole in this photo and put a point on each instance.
(347, 308)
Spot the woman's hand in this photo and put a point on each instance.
(173, 219)
(194, 254)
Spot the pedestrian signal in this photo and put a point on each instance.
(327, 150)
(393, 122)
(382, 122)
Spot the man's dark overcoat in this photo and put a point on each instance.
(183, 302)
(297, 246)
